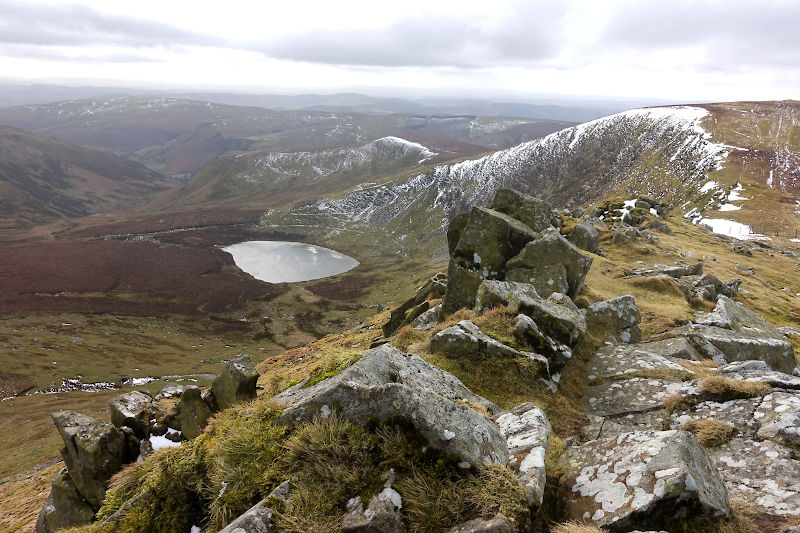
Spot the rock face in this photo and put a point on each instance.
(553, 249)
(192, 412)
(134, 410)
(236, 384)
(381, 516)
(498, 524)
(650, 479)
(619, 315)
(385, 383)
(527, 431)
(93, 451)
(533, 212)
(258, 519)
(545, 279)
(562, 322)
(64, 508)
(419, 304)
(585, 237)
(736, 317)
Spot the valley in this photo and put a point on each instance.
(115, 213)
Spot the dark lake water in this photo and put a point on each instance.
(284, 262)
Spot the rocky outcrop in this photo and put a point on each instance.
(732, 315)
(382, 515)
(498, 524)
(134, 410)
(527, 431)
(65, 507)
(586, 237)
(258, 519)
(408, 312)
(386, 383)
(192, 412)
(554, 316)
(648, 479)
(236, 383)
(535, 213)
(618, 316)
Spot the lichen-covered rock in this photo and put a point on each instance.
(533, 212)
(494, 293)
(709, 287)
(779, 417)
(552, 248)
(64, 508)
(462, 285)
(192, 412)
(585, 237)
(621, 360)
(134, 410)
(381, 516)
(647, 479)
(236, 384)
(633, 395)
(737, 413)
(397, 317)
(546, 279)
(435, 287)
(258, 519)
(527, 432)
(711, 342)
(498, 524)
(618, 315)
(659, 226)
(455, 229)
(490, 239)
(675, 347)
(465, 339)
(560, 322)
(763, 474)
(735, 316)
(93, 451)
(759, 372)
(428, 319)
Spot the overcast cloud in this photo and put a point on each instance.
(667, 49)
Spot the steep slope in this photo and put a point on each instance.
(661, 152)
(319, 172)
(42, 178)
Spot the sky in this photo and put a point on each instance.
(675, 50)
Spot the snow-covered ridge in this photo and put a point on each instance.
(576, 164)
(323, 163)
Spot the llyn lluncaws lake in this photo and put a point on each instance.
(287, 262)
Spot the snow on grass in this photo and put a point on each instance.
(729, 207)
(734, 194)
(709, 185)
(161, 441)
(731, 229)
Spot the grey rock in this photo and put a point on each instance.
(236, 384)
(397, 317)
(527, 432)
(711, 341)
(433, 288)
(659, 226)
(551, 249)
(779, 417)
(93, 451)
(462, 285)
(170, 390)
(648, 479)
(635, 395)
(735, 316)
(258, 519)
(381, 516)
(737, 413)
(586, 237)
(494, 293)
(428, 319)
(134, 410)
(613, 426)
(498, 524)
(386, 383)
(546, 279)
(64, 507)
(560, 322)
(763, 474)
(773, 379)
(618, 315)
(193, 412)
(676, 347)
(709, 287)
(455, 229)
(617, 361)
(490, 239)
(533, 212)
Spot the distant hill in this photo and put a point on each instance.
(42, 178)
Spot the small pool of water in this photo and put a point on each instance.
(286, 262)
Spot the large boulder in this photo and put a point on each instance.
(236, 384)
(586, 237)
(724, 345)
(490, 239)
(387, 383)
(564, 323)
(732, 315)
(455, 229)
(527, 432)
(64, 508)
(494, 293)
(533, 212)
(546, 279)
(618, 315)
(618, 361)
(93, 451)
(647, 479)
(132, 409)
(634, 395)
(551, 248)
(462, 285)
(192, 412)
(709, 287)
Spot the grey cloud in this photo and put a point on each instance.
(528, 36)
(76, 25)
(730, 33)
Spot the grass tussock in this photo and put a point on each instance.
(701, 369)
(699, 304)
(710, 433)
(677, 401)
(332, 365)
(406, 336)
(575, 527)
(743, 520)
(664, 285)
(725, 389)
(498, 323)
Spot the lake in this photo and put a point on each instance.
(286, 262)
